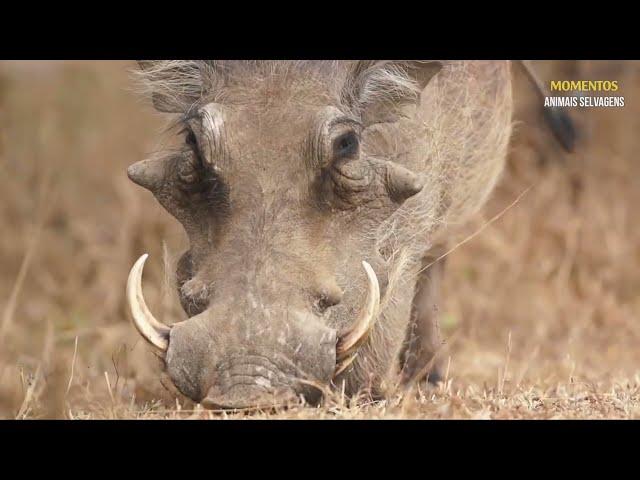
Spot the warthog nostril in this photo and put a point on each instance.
(328, 296)
(194, 296)
(324, 303)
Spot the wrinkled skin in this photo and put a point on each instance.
(283, 185)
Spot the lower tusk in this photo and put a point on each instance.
(342, 366)
(355, 336)
(154, 332)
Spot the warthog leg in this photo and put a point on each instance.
(418, 359)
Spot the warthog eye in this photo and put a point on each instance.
(346, 145)
(190, 139)
(191, 168)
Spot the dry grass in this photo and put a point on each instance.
(541, 307)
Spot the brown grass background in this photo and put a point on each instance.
(541, 306)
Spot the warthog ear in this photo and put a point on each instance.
(175, 85)
(377, 88)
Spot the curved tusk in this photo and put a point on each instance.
(351, 339)
(154, 332)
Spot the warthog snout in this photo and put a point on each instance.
(229, 357)
(256, 380)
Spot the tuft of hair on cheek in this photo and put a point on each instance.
(391, 83)
(398, 264)
(169, 261)
(175, 85)
(380, 83)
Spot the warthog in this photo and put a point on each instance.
(316, 196)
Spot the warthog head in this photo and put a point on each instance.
(279, 185)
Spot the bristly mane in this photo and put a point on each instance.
(179, 85)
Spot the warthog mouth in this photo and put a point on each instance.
(249, 380)
(254, 381)
(252, 396)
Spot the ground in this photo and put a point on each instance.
(542, 295)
